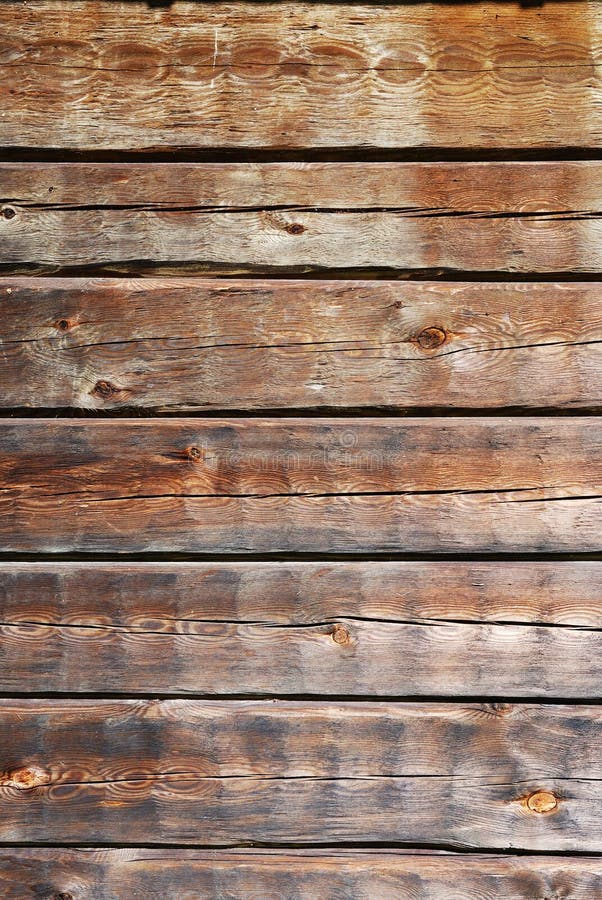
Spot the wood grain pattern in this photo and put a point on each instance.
(292, 217)
(327, 485)
(209, 773)
(408, 629)
(201, 75)
(193, 344)
(83, 874)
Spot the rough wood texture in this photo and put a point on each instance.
(122, 75)
(210, 773)
(510, 217)
(382, 629)
(59, 874)
(325, 485)
(195, 344)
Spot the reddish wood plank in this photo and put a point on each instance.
(101, 75)
(381, 629)
(193, 344)
(355, 874)
(201, 773)
(510, 217)
(327, 485)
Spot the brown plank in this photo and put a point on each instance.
(85, 874)
(291, 217)
(207, 773)
(382, 629)
(202, 75)
(193, 344)
(325, 485)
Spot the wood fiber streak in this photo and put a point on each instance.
(454, 629)
(193, 344)
(216, 773)
(387, 874)
(292, 217)
(326, 485)
(285, 75)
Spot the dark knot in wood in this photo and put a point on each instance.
(7, 212)
(340, 634)
(432, 337)
(542, 802)
(104, 389)
(295, 228)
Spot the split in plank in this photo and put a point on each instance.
(156, 873)
(300, 485)
(196, 344)
(290, 217)
(300, 75)
(210, 773)
(356, 629)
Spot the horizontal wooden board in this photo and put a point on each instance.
(381, 629)
(207, 773)
(325, 485)
(83, 874)
(291, 217)
(196, 344)
(205, 75)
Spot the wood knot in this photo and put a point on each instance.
(104, 389)
(62, 895)
(340, 634)
(542, 802)
(26, 778)
(194, 453)
(7, 212)
(432, 337)
(295, 228)
(63, 324)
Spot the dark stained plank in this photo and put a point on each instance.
(210, 773)
(291, 217)
(282, 75)
(196, 344)
(155, 873)
(300, 485)
(355, 629)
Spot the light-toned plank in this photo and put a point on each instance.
(325, 485)
(355, 874)
(207, 773)
(355, 629)
(103, 74)
(195, 344)
(291, 217)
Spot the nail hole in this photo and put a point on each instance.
(8, 212)
(295, 228)
(194, 453)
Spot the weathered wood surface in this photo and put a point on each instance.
(325, 485)
(200, 75)
(193, 344)
(84, 874)
(355, 629)
(291, 217)
(207, 773)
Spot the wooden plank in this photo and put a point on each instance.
(355, 874)
(286, 75)
(299, 485)
(207, 773)
(192, 344)
(291, 217)
(447, 629)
